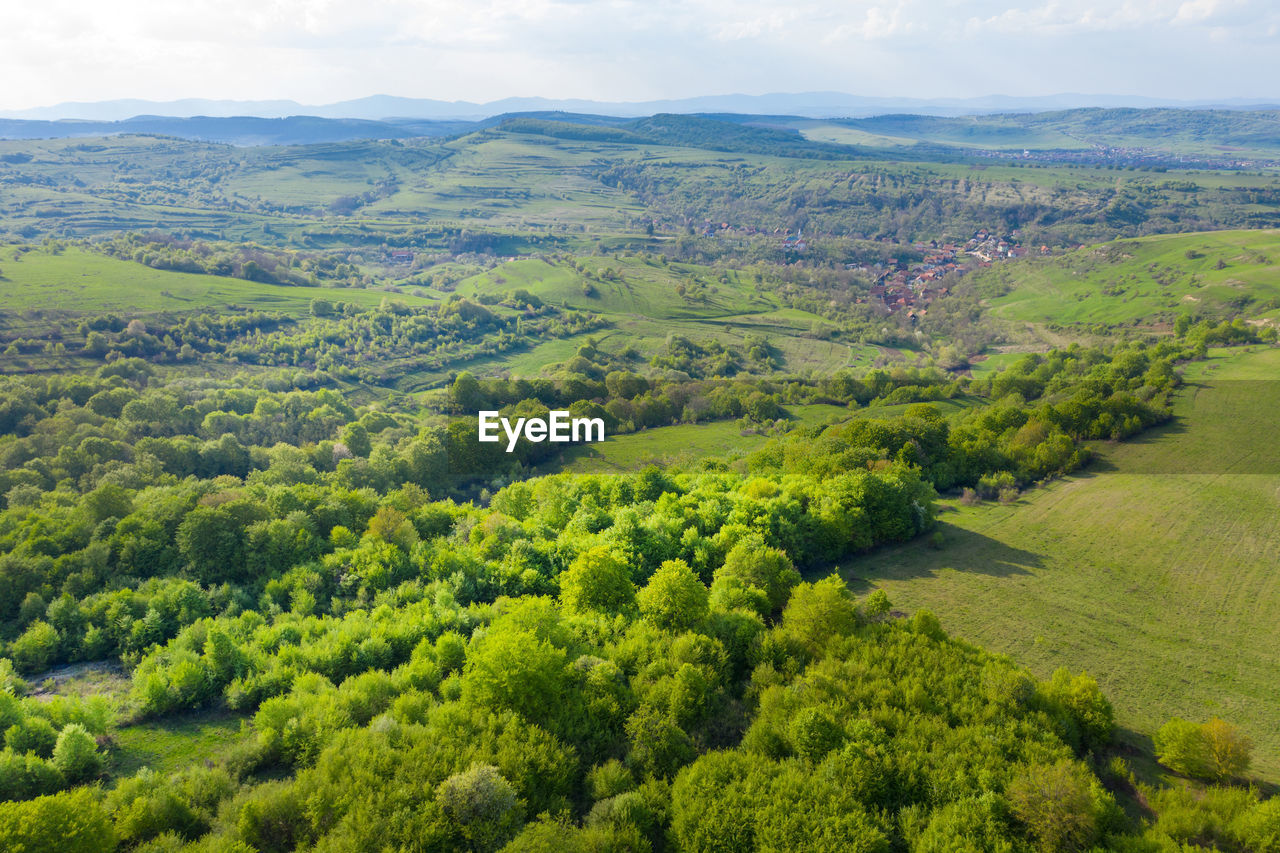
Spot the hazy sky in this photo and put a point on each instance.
(319, 51)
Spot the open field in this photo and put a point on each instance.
(1155, 571)
(687, 443)
(176, 742)
(1148, 280)
(79, 282)
(683, 443)
(628, 286)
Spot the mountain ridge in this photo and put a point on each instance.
(828, 104)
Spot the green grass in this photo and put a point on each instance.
(683, 443)
(657, 446)
(641, 288)
(993, 363)
(175, 742)
(1155, 571)
(78, 282)
(1146, 280)
(163, 745)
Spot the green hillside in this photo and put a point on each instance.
(75, 281)
(624, 286)
(1155, 573)
(1220, 133)
(1150, 280)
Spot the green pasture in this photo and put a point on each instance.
(1154, 570)
(74, 281)
(626, 285)
(175, 742)
(681, 443)
(1142, 280)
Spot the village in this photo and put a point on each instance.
(904, 286)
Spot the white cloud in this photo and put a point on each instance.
(324, 50)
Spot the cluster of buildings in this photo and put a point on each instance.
(910, 287)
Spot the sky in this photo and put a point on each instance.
(322, 51)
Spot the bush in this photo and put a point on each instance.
(483, 803)
(1056, 805)
(76, 754)
(33, 734)
(25, 776)
(63, 823)
(37, 646)
(1213, 751)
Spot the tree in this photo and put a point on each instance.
(1229, 751)
(597, 580)
(818, 613)
(62, 823)
(466, 394)
(33, 734)
(756, 565)
(1080, 701)
(1214, 751)
(483, 803)
(1056, 804)
(674, 598)
(36, 648)
(356, 439)
(76, 754)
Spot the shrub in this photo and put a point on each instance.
(36, 647)
(76, 754)
(1214, 751)
(63, 823)
(33, 734)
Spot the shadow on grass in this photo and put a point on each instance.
(174, 742)
(962, 550)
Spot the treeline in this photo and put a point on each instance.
(915, 201)
(123, 477)
(249, 261)
(710, 133)
(1041, 408)
(341, 342)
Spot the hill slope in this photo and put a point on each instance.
(1150, 280)
(1156, 574)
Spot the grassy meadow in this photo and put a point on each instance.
(80, 282)
(1154, 571)
(1146, 281)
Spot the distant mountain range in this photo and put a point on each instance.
(237, 130)
(806, 104)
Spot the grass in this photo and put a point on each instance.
(645, 288)
(1142, 281)
(175, 742)
(682, 443)
(163, 745)
(1155, 572)
(78, 282)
